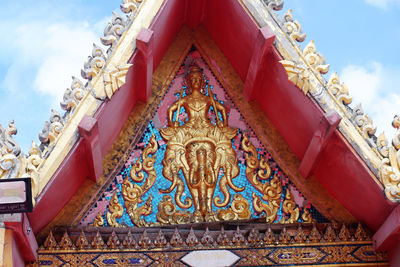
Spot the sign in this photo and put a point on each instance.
(15, 195)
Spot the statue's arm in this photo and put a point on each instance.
(222, 109)
(171, 111)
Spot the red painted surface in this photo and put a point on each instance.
(262, 47)
(388, 234)
(17, 257)
(294, 115)
(144, 44)
(89, 130)
(394, 255)
(166, 25)
(345, 176)
(327, 126)
(234, 32)
(65, 182)
(194, 12)
(24, 242)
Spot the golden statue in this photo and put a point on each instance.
(199, 149)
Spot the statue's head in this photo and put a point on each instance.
(194, 78)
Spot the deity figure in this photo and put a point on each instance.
(199, 149)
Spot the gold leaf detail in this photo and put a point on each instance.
(314, 58)
(115, 211)
(298, 75)
(289, 207)
(114, 79)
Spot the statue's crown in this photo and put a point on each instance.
(194, 69)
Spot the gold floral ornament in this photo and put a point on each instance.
(115, 211)
(339, 90)
(133, 193)
(289, 207)
(114, 79)
(314, 58)
(389, 170)
(14, 164)
(298, 75)
(293, 27)
(199, 149)
(256, 171)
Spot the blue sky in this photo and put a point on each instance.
(45, 44)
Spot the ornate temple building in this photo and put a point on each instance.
(205, 134)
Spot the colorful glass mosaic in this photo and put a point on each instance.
(178, 89)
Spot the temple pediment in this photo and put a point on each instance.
(205, 130)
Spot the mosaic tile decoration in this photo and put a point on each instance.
(159, 120)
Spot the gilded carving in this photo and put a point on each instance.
(298, 75)
(82, 242)
(113, 31)
(289, 207)
(129, 241)
(133, 193)
(98, 242)
(144, 240)
(330, 234)
(363, 122)
(94, 63)
(207, 239)
(269, 237)
(199, 149)
(113, 241)
(274, 4)
(129, 6)
(222, 238)
(256, 171)
(14, 164)
(98, 221)
(115, 211)
(160, 240)
(315, 59)
(114, 78)
(73, 96)
(389, 171)
(66, 243)
(344, 233)
(314, 236)
(50, 133)
(50, 243)
(293, 27)
(338, 90)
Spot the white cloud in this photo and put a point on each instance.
(54, 51)
(383, 4)
(376, 87)
(40, 50)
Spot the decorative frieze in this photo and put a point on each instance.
(14, 163)
(253, 243)
(113, 31)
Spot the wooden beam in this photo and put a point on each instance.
(144, 44)
(255, 73)
(388, 235)
(89, 130)
(326, 127)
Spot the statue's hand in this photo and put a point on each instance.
(175, 124)
(220, 124)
